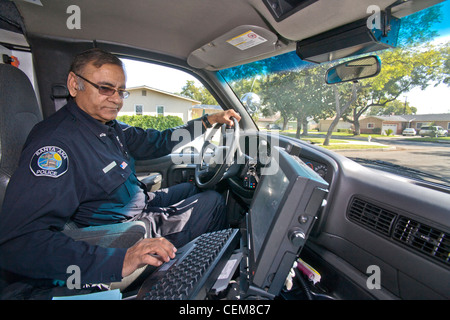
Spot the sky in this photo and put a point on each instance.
(154, 76)
(431, 100)
(434, 99)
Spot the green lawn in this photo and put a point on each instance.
(353, 146)
(335, 144)
(342, 143)
(320, 140)
(291, 133)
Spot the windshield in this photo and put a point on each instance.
(376, 120)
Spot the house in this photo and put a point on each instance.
(149, 101)
(379, 124)
(325, 124)
(264, 122)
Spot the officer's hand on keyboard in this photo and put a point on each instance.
(153, 251)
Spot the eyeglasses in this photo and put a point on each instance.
(105, 90)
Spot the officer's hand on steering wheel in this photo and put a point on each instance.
(224, 117)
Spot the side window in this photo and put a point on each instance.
(165, 91)
(171, 97)
(160, 111)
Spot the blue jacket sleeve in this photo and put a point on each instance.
(36, 207)
(152, 144)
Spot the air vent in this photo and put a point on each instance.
(371, 216)
(428, 240)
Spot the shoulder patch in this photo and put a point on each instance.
(49, 161)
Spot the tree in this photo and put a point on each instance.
(197, 93)
(246, 85)
(247, 78)
(305, 95)
(343, 101)
(361, 105)
(446, 65)
(273, 101)
(314, 97)
(395, 107)
(417, 28)
(402, 70)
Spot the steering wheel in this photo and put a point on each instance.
(215, 161)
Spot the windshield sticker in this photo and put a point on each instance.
(49, 161)
(246, 40)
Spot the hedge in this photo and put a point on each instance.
(153, 122)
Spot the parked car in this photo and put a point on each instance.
(273, 126)
(409, 132)
(433, 131)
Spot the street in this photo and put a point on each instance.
(424, 156)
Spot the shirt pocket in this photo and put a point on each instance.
(112, 181)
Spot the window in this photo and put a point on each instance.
(171, 95)
(370, 125)
(138, 109)
(160, 110)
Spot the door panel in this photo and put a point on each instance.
(170, 172)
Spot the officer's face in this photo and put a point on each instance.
(99, 106)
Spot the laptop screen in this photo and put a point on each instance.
(270, 195)
(275, 232)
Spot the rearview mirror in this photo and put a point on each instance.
(353, 70)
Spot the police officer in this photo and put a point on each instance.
(78, 165)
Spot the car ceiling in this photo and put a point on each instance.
(173, 28)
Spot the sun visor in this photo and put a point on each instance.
(239, 44)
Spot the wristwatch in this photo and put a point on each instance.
(206, 122)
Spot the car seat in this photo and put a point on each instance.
(19, 112)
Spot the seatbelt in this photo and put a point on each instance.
(60, 94)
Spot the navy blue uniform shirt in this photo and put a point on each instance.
(74, 167)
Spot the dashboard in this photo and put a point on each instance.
(320, 168)
(398, 226)
(244, 183)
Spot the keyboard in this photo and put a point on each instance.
(194, 270)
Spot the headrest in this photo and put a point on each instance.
(19, 112)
